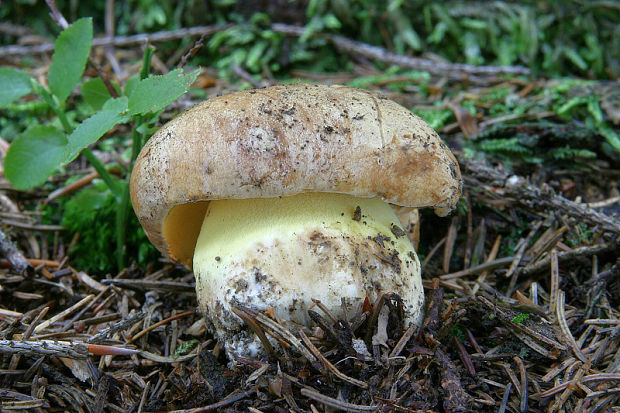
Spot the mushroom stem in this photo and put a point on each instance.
(283, 252)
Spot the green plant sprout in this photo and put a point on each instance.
(576, 133)
(520, 318)
(42, 149)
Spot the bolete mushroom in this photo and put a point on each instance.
(281, 195)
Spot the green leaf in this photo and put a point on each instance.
(254, 56)
(444, 15)
(331, 22)
(405, 30)
(472, 49)
(34, 156)
(595, 109)
(411, 38)
(96, 126)
(95, 93)
(394, 5)
(438, 33)
(131, 84)
(313, 26)
(575, 58)
(13, 85)
(576, 101)
(519, 318)
(474, 24)
(313, 7)
(610, 135)
(157, 92)
(71, 52)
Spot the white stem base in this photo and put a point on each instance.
(281, 253)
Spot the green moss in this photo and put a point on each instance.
(92, 213)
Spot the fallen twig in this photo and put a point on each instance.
(328, 364)
(456, 399)
(532, 196)
(161, 323)
(335, 403)
(9, 250)
(145, 285)
(561, 316)
(64, 313)
(587, 251)
(114, 328)
(119, 41)
(215, 406)
(257, 330)
(453, 71)
(489, 265)
(77, 351)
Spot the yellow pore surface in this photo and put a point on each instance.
(232, 226)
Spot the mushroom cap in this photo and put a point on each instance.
(286, 140)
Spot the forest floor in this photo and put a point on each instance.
(522, 289)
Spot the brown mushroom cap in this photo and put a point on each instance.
(285, 140)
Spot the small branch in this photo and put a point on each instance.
(145, 285)
(104, 77)
(64, 313)
(56, 15)
(191, 52)
(159, 324)
(33, 261)
(119, 41)
(587, 379)
(333, 369)
(533, 197)
(83, 181)
(8, 314)
(282, 331)
(102, 171)
(565, 256)
(453, 71)
(32, 227)
(335, 403)
(561, 316)
(398, 348)
(610, 274)
(219, 405)
(246, 76)
(62, 22)
(249, 320)
(456, 398)
(114, 328)
(9, 250)
(45, 348)
(489, 265)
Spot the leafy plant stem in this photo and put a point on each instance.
(137, 139)
(53, 104)
(102, 171)
(122, 214)
(121, 193)
(96, 163)
(146, 62)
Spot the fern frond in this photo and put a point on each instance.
(510, 145)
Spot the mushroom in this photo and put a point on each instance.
(278, 196)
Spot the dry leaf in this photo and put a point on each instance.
(79, 368)
(380, 337)
(467, 122)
